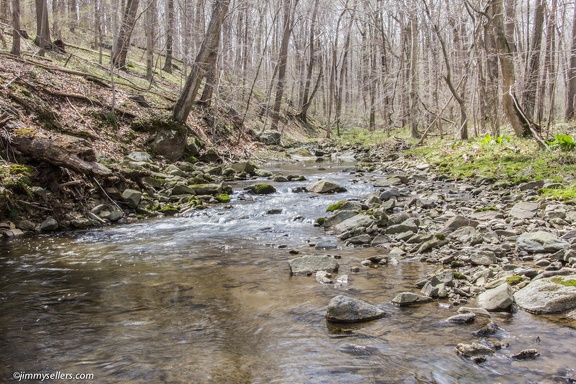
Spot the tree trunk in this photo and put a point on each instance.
(413, 35)
(521, 125)
(205, 61)
(533, 71)
(306, 99)
(73, 15)
(151, 22)
(42, 27)
(16, 28)
(123, 40)
(571, 91)
(169, 35)
(282, 62)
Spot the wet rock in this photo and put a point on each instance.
(462, 318)
(408, 298)
(311, 264)
(182, 190)
(261, 189)
(324, 277)
(338, 217)
(548, 295)
(524, 210)
(540, 242)
(487, 330)
(325, 186)
(477, 311)
(360, 239)
(468, 350)
(50, 224)
(132, 197)
(526, 354)
(349, 310)
(389, 193)
(496, 299)
(327, 243)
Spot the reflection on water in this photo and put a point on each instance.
(208, 299)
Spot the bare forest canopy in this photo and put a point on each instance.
(441, 67)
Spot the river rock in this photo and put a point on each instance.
(458, 222)
(387, 182)
(325, 186)
(311, 264)
(462, 318)
(132, 197)
(466, 235)
(548, 295)
(338, 217)
(408, 298)
(270, 137)
(483, 258)
(170, 144)
(50, 224)
(346, 309)
(328, 243)
(355, 221)
(473, 349)
(182, 190)
(540, 242)
(244, 166)
(496, 299)
(524, 210)
(261, 189)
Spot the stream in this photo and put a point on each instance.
(208, 298)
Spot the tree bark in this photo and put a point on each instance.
(205, 61)
(123, 39)
(306, 99)
(16, 28)
(169, 35)
(151, 22)
(533, 71)
(42, 27)
(282, 62)
(521, 125)
(571, 91)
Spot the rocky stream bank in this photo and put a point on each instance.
(498, 249)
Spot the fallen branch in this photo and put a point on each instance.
(62, 150)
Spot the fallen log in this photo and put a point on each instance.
(62, 150)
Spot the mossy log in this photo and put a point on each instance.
(62, 150)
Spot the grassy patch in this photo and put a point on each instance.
(565, 282)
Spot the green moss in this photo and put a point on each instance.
(320, 220)
(564, 282)
(514, 280)
(262, 189)
(169, 209)
(440, 236)
(486, 209)
(565, 193)
(336, 206)
(459, 275)
(223, 198)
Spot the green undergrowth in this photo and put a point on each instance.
(508, 160)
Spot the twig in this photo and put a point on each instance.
(104, 192)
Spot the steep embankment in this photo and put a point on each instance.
(67, 135)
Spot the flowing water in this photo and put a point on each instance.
(208, 298)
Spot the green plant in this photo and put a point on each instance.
(564, 142)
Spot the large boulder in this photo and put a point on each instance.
(311, 264)
(497, 299)
(540, 242)
(344, 309)
(270, 137)
(549, 295)
(354, 222)
(325, 186)
(170, 143)
(524, 210)
(132, 197)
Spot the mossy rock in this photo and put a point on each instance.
(157, 124)
(169, 209)
(514, 280)
(336, 206)
(223, 198)
(261, 189)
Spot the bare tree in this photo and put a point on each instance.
(42, 27)
(205, 61)
(169, 35)
(123, 39)
(15, 28)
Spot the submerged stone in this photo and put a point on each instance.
(346, 309)
(311, 264)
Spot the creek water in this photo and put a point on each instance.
(208, 298)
